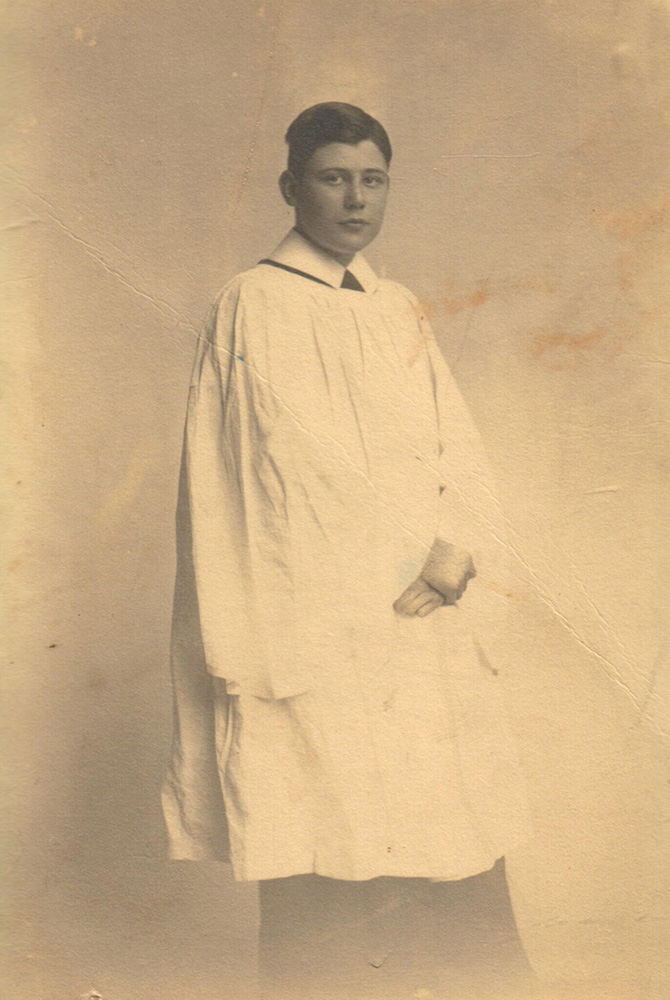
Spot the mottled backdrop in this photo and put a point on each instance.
(528, 211)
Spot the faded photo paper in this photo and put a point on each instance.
(386, 395)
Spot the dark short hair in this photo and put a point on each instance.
(332, 122)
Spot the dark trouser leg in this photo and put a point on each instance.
(390, 938)
(475, 936)
(313, 937)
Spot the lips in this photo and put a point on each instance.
(355, 223)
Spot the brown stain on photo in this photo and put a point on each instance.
(546, 286)
(634, 222)
(450, 305)
(455, 304)
(572, 342)
(485, 290)
(560, 350)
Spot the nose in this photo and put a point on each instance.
(355, 195)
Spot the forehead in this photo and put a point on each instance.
(365, 155)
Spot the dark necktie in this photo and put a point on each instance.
(349, 281)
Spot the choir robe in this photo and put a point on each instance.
(316, 729)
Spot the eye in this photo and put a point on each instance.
(373, 181)
(332, 178)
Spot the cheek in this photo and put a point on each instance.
(313, 203)
(379, 206)
(320, 193)
(322, 205)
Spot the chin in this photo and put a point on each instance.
(341, 243)
(350, 247)
(353, 243)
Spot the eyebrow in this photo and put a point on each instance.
(345, 170)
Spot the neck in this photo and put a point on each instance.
(341, 258)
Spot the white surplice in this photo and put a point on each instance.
(317, 730)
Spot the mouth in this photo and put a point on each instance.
(354, 223)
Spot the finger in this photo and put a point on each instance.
(403, 602)
(427, 596)
(418, 601)
(427, 601)
(406, 603)
(428, 608)
(410, 606)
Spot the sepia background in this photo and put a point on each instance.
(528, 211)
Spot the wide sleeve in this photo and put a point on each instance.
(470, 514)
(211, 624)
(242, 547)
(191, 796)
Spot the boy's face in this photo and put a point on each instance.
(340, 199)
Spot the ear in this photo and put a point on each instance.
(288, 187)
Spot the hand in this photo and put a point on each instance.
(419, 599)
(447, 570)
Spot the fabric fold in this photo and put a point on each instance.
(326, 448)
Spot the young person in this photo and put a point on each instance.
(339, 734)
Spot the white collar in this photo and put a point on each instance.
(298, 252)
